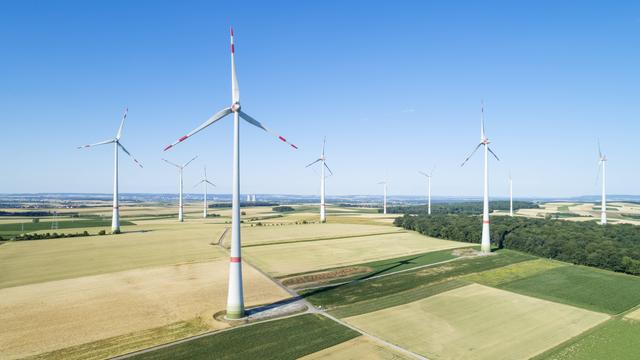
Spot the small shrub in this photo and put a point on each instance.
(102, 232)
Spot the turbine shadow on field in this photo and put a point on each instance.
(263, 308)
(362, 278)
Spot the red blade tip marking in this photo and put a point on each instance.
(231, 29)
(295, 147)
(281, 138)
(183, 138)
(232, 49)
(168, 147)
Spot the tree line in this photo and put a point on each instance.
(611, 247)
(469, 207)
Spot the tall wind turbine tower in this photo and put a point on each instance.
(235, 298)
(603, 206)
(115, 219)
(205, 181)
(322, 160)
(180, 170)
(428, 176)
(384, 198)
(485, 245)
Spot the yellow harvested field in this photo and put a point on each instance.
(478, 322)
(635, 315)
(159, 243)
(513, 272)
(43, 317)
(271, 234)
(297, 257)
(361, 347)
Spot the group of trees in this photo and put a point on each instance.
(612, 247)
(283, 208)
(470, 207)
(243, 204)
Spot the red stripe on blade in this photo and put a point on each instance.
(183, 138)
(485, 221)
(235, 259)
(168, 147)
(281, 138)
(293, 146)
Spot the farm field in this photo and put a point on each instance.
(302, 335)
(357, 348)
(475, 321)
(118, 303)
(280, 234)
(26, 262)
(615, 339)
(581, 286)
(297, 257)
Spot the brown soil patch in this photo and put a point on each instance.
(325, 276)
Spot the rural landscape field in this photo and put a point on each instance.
(319, 180)
(353, 287)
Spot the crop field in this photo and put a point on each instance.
(27, 262)
(297, 257)
(25, 227)
(357, 348)
(615, 339)
(118, 303)
(304, 334)
(281, 234)
(513, 272)
(476, 322)
(581, 286)
(405, 286)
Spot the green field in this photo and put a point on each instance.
(617, 339)
(513, 272)
(590, 288)
(288, 338)
(340, 295)
(26, 227)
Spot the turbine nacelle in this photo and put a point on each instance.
(235, 107)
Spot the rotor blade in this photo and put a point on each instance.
(314, 162)
(323, 145)
(189, 162)
(425, 174)
(492, 153)
(482, 120)
(210, 183)
(255, 122)
(217, 116)
(99, 143)
(128, 153)
(327, 166)
(469, 157)
(124, 116)
(235, 90)
(199, 182)
(205, 173)
(170, 163)
(433, 170)
(599, 151)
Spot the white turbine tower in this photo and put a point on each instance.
(115, 220)
(180, 170)
(205, 181)
(428, 176)
(384, 198)
(510, 196)
(322, 159)
(235, 302)
(602, 160)
(485, 245)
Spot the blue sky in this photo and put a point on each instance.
(395, 87)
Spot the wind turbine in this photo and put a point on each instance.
(428, 176)
(115, 219)
(485, 245)
(235, 302)
(322, 159)
(180, 168)
(510, 196)
(602, 160)
(205, 181)
(384, 199)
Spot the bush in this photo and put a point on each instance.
(35, 220)
(283, 208)
(102, 232)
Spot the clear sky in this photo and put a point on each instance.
(395, 87)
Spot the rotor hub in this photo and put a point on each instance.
(235, 107)
(485, 141)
